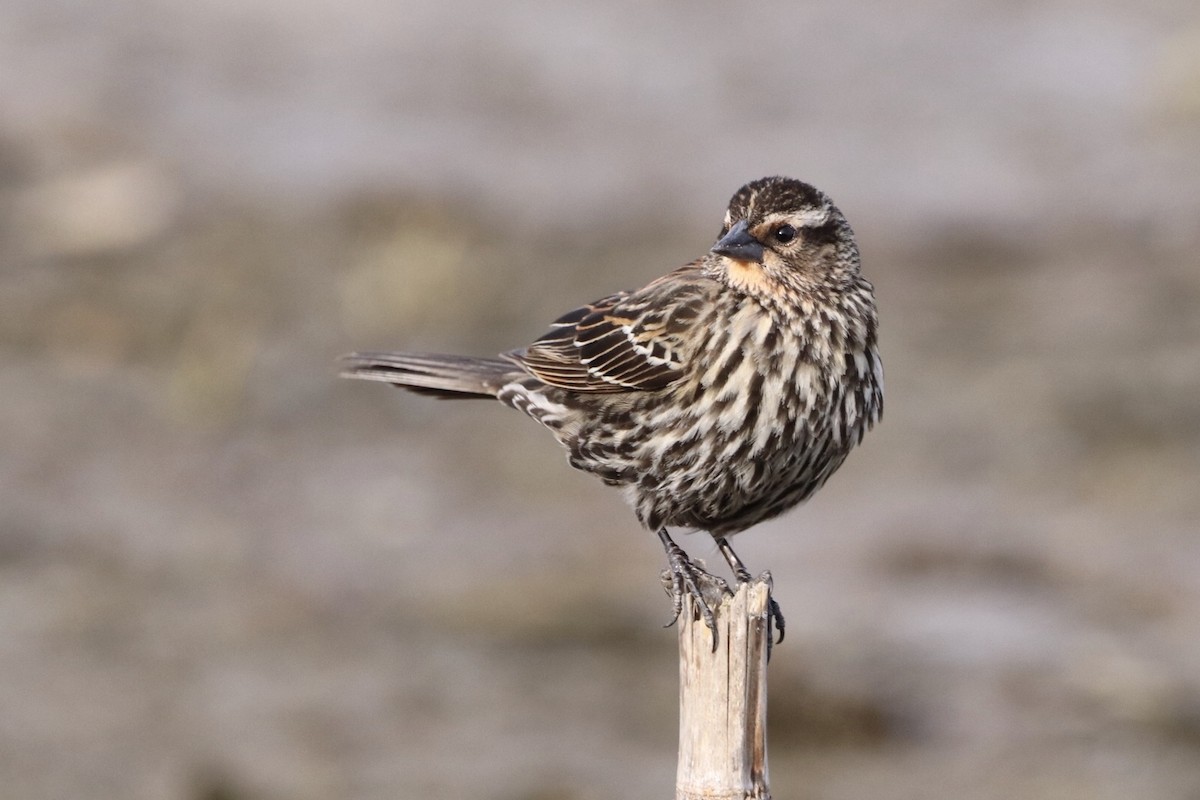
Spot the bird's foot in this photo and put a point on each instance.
(684, 577)
(774, 615)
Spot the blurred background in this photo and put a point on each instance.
(226, 574)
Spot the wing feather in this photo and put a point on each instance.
(638, 341)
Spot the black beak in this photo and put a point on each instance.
(739, 245)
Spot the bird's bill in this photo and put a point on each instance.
(739, 245)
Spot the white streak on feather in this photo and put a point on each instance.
(733, 415)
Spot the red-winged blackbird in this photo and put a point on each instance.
(718, 395)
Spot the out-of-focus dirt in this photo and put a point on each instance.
(226, 574)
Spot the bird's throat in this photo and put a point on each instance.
(748, 277)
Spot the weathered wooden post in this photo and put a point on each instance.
(723, 696)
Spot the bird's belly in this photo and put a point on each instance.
(689, 470)
(722, 490)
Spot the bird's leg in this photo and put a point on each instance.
(739, 569)
(687, 578)
(743, 576)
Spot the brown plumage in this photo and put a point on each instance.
(718, 395)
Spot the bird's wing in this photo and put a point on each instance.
(637, 341)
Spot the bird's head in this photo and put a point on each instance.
(783, 237)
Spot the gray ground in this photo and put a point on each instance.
(224, 574)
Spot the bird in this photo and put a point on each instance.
(716, 396)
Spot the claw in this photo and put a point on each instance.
(773, 613)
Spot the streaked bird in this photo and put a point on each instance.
(717, 396)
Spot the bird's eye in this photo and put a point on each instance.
(784, 234)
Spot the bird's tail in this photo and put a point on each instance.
(438, 375)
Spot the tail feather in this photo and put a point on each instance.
(443, 376)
